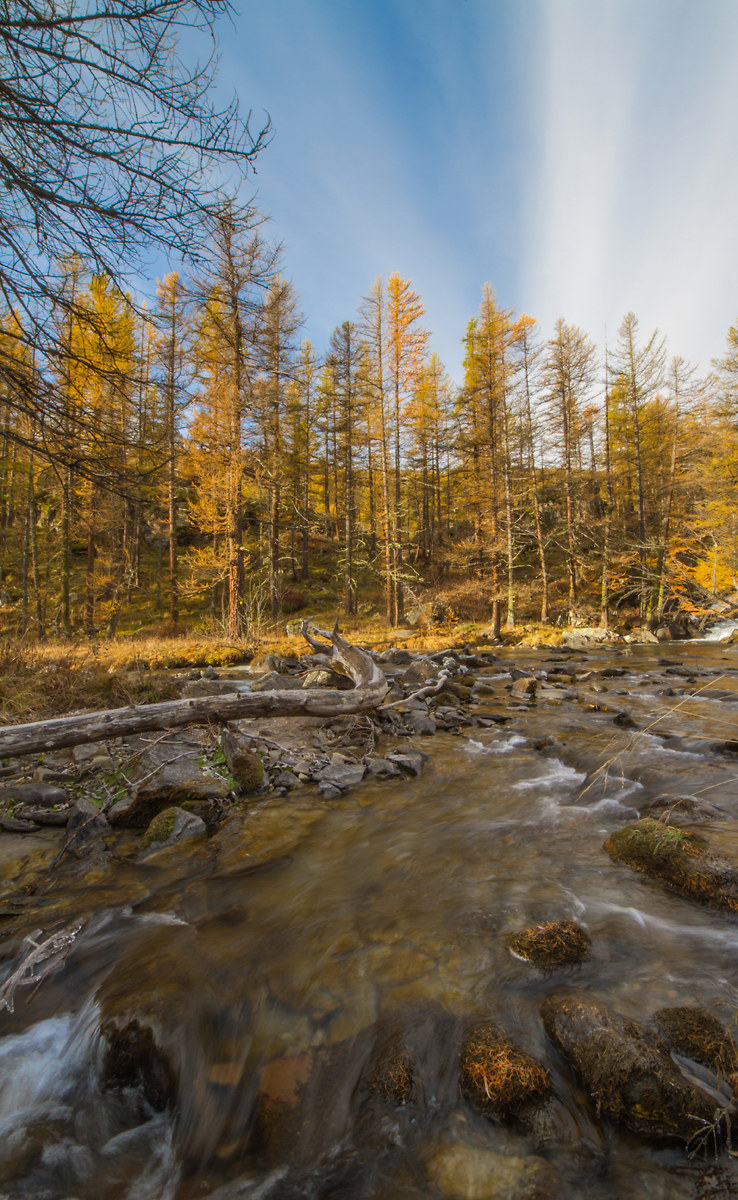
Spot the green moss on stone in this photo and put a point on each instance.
(678, 859)
(161, 827)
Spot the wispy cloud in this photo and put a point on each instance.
(632, 192)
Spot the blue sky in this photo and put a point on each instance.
(579, 155)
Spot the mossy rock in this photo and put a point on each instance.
(698, 1035)
(552, 944)
(393, 1073)
(627, 1070)
(677, 858)
(172, 825)
(498, 1076)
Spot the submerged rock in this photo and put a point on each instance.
(498, 1076)
(698, 1035)
(626, 1069)
(462, 1172)
(393, 1073)
(552, 944)
(678, 859)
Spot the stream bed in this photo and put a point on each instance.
(263, 1001)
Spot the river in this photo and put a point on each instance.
(388, 918)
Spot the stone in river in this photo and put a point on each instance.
(498, 1076)
(552, 944)
(626, 1070)
(699, 1035)
(678, 859)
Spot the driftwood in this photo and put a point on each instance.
(370, 687)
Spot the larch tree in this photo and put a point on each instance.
(279, 326)
(569, 373)
(406, 342)
(640, 368)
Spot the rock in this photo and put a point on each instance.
(397, 657)
(285, 779)
(419, 672)
(698, 1035)
(498, 1076)
(85, 752)
(244, 765)
(45, 795)
(44, 816)
(87, 829)
(209, 687)
(551, 945)
(681, 809)
(210, 672)
(321, 677)
(13, 825)
(410, 761)
(624, 721)
(272, 682)
(132, 1058)
(172, 825)
(392, 1073)
(382, 768)
(678, 859)
(627, 1070)
(341, 776)
(525, 686)
(421, 723)
(165, 774)
(463, 1172)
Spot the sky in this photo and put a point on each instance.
(580, 156)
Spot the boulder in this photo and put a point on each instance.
(525, 686)
(626, 1070)
(165, 774)
(678, 859)
(272, 682)
(498, 1076)
(245, 766)
(172, 825)
(410, 761)
(341, 775)
(419, 672)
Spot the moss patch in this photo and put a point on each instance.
(678, 859)
(550, 945)
(161, 827)
(499, 1077)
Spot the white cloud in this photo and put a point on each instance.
(632, 200)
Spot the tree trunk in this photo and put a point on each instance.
(370, 688)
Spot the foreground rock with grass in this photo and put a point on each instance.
(677, 858)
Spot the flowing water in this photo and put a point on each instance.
(273, 992)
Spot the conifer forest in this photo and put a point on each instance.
(202, 457)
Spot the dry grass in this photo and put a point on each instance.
(499, 1077)
(552, 944)
(37, 682)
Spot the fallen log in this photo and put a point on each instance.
(370, 688)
